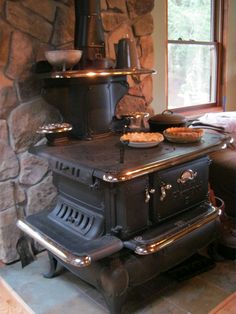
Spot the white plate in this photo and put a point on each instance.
(142, 139)
(143, 144)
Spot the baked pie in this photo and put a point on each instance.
(183, 134)
(142, 137)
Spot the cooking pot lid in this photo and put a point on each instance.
(168, 116)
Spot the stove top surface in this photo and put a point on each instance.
(103, 156)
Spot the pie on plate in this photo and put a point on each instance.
(142, 139)
(183, 135)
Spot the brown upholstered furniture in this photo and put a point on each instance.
(223, 177)
(223, 182)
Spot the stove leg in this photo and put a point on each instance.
(113, 285)
(53, 267)
(212, 251)
(115, 303)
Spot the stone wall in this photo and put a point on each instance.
(27, 29)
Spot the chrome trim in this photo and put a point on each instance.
(159, 165)
(187, 175)
(91, 73)
(57, 250)
(145, 249)
(54, 128)
(164, 188)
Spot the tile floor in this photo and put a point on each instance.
(68, 294)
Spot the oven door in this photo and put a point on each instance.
(178, 189)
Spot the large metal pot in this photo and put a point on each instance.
(166, 119)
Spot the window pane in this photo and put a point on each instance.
(190, 19)
(191, 75)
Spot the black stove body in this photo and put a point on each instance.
(119, 222)
(88, 104)
(123, 215)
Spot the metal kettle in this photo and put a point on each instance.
(126, 54)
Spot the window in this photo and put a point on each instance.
(192, 52)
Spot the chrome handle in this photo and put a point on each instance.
(147, 194)
(187, 175)
(164, 188)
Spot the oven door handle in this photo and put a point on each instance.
(103, 246)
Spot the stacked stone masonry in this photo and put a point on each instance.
(27, 29)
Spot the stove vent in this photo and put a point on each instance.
(76, 219)
(67, 169)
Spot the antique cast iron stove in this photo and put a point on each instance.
(123, 215)
(118, 223)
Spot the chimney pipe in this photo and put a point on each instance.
(89, 35)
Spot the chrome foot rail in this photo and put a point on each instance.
(53, 247)
(154, 245)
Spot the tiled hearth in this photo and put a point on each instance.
(68, 294)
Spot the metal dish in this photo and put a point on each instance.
(166, 119)
(63, 59)
(53, 128)
(56, 133)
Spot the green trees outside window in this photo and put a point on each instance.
(192, 53)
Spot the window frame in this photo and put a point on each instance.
(217, 41)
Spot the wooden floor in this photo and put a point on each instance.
(10, 302)
(228, 306)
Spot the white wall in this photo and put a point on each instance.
(159, 39)
(230, 87)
